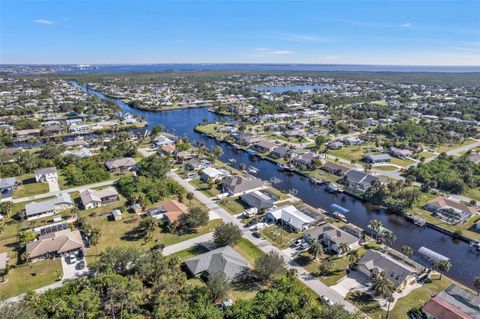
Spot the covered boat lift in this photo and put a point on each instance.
(430, 255)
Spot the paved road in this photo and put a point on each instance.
(306, 277)
(55, 193)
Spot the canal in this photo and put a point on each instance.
(465, 264)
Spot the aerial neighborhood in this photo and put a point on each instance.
(223, 191)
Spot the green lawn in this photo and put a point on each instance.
(211, 129)
(278, 236)
(352, 152)
(28, 277)
(449, 147)
(366, 304)
(233, 205)
(386, 167)
(401, 162)
(473, 193)
(190, 252)
(248, 250)
(29, 187)
(418, 297)
(212, 191)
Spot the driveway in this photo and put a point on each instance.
(53, 185)
(355, 280)
(70, 271)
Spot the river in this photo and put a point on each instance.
(465, 265)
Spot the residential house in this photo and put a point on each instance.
(258, 200)
(224, 260)
(55, 243)
(361, 181)
(162, 140)
(168, 149)
(450, 210)
(291, 218)
(246, 139)
(279, 152)
(399, 153)
(212, 174)
(183, 156)
(121, 164)
(376, 263)
(377, 158)
(239, 185)
(46, 174)
(7, 185)
(54, 129)
(263, 146)
(48, 207)
(335, 145)
(353, 230)
(334, 239)
(305, 159)
(92, 198)
(172, 210)
(335, 169)
(453, 303)
(198, 164)
(82, 153)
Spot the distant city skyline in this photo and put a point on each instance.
(305, 32)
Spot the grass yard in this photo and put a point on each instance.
(366, 304)
(449, 147)
(205, 188)
(419, 297)
(473, 193)
(190, 252)
(401, 162)
(211, 129)
(29, 187)
(29, 277)
(278, 236)
(248, 250)
(233, 205)
(386, 167)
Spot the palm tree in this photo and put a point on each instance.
(375, 225)
(407, 250)
(390, 237)
(382, 286)
(353, 257)
(316, 249)
(344, 248)
(442, 266)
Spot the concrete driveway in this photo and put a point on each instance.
(355, 280)
(70, 271)
(53, 185)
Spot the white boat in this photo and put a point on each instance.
(252, 170)
(339, 216)
(275, 180)
(293, 192)
(232, 160)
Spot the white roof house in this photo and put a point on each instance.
(291, 217)
(212, 173)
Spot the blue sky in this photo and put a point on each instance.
(395, 32)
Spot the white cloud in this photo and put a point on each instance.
(406, 25)
(268, 51)
(299, 37)
(43, 21)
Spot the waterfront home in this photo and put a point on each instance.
(353, 230)
(212, 174)
(53, 129)
(239, 185)
(121, 164)
(246, 139)
(54, 244)
(399, 153)
(75, 128)
(258, 200)
(376, 263)
(48, 207)
(7, 185)
(454, 302)
(162, 140)
(92, 198)
(335, 169)
(377, 158)
(224, 260)
(291, 218)
(198, 164)
(44, 175)
(263, 146)
(333, 238)
(279, 152)
(168, 149)
(305, 160)
(82, 153)
(183, 156)
(360, 181)
(450, 210)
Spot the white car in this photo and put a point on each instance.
(72, 258)
(259, 226)
(327, 300)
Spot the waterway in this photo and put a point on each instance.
(465, 265)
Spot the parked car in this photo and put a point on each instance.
(158, 247)
(81, 264)
(326, 300)
(72, 258)
(80, 254)
(257, 234)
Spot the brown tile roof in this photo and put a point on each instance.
(174, 210)
(442, 202)
(441, 309)
(58, 242)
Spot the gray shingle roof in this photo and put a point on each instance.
(221, 260)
